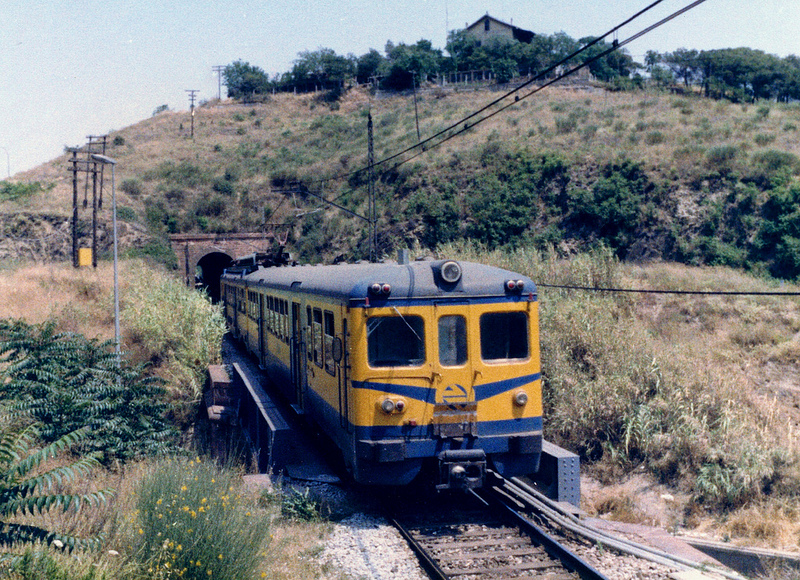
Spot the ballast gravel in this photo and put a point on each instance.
(365, 546)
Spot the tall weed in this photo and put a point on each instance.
(618, 393)
(169, 323)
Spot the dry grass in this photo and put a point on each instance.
(77, 300)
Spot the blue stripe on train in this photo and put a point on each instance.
(492, 435)
(428, 394)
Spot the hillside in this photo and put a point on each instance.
(697, 393)
(652, 175)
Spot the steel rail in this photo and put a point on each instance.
(428, 564)
(553, 512)
(539, 536)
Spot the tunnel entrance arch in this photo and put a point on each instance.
(208, 270)
(209, 254)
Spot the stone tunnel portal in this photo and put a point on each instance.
(209, 269)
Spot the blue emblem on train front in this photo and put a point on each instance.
(454, 395)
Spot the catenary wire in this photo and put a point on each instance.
(425, 145)
(684, 292)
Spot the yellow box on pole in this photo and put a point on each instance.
(84, 257)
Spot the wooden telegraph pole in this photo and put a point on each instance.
(192, 95)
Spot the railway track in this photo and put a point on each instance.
(478, 537)
(508, 531)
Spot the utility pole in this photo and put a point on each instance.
(75, 208)
(219, 69)
(192, 96)
(372, 213)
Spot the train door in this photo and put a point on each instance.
(297, 355)
(340, 357)
(455, 409)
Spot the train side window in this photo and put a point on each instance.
(395, 341)
(504, 336)
(317, 332)
(330, 365)
(452, 341)
(285, 318)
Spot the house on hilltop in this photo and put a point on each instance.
(488, 28)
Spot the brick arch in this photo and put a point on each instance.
(191, 248)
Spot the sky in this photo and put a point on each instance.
(73, 68)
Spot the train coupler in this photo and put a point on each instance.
(461, 469)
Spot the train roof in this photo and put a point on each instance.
(419, 279)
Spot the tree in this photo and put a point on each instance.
(322, 69)
(368, 65)
(617, 63)
(244, 80)
(25, 490)
(404, 62)
(684, 64)
(67, 382)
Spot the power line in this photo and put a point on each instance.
(425, 145)
(680, 292)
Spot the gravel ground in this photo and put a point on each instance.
(365, 546)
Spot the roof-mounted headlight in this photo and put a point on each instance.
(450, 272)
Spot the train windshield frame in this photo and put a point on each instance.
(395, 341)
(504, 336)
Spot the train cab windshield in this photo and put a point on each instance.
(396, 341)
(504, 336)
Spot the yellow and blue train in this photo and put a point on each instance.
(403, 365)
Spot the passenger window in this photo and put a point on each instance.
(395, 341)
(504, 336)
(317, 331)
(452, 341)
(330, 366)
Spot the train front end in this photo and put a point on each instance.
(445, 374)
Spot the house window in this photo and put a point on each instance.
(486, 25)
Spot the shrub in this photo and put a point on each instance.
(721, 155)
(132, 187)
(68, 382)
(10, 191)
(126, 214)
(194, 522)
(654, 138)
(24, 490)
(168, 322)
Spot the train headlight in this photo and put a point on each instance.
(451, 272)
(392, 406)
(520, 398)
(387, 406)
(515, 285)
